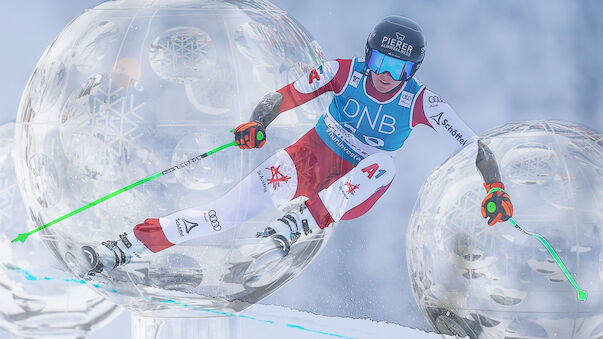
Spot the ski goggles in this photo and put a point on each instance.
(381, 63)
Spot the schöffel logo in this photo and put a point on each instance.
(188, 225)
(448, 127)
(213, 218)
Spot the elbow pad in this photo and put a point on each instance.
(267, 109)
(486, 163)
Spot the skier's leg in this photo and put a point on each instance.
(365, 206)
(354, 193)
(347, 197)
(285, 231)
(273, 183)
(317, 167)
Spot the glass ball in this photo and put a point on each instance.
(39, 298)
(473, 280)
(131, 88)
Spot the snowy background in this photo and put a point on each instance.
(494, 62)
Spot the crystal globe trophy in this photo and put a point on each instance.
(39, 299)
(133, 87)
(472, 280)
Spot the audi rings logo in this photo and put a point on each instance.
(213, 218)
(434, 98)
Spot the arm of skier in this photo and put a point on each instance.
(436, 113)
(330, 76)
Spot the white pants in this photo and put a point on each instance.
(274, 184)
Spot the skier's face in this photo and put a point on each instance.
(384, 82)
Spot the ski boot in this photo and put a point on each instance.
(111, 254)
(287, 230)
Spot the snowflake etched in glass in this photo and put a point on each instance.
(476, 281)
(131, 88)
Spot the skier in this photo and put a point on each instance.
(338, 169)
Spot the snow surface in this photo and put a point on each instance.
(301, 325)
(269, 321)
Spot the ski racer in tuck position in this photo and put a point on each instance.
(338, 169)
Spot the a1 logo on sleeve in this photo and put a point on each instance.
(314, 75)
(317, 77)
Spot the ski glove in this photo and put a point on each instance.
(250, 135)
(497, 206)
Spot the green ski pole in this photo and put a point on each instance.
(582, 295)
(23, 236)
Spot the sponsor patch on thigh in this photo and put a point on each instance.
(359, 184)
(278, 177)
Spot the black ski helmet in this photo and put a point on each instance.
(398, 37)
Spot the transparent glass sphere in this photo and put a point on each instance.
(473, 280)
(38, 298)
(131, 88)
